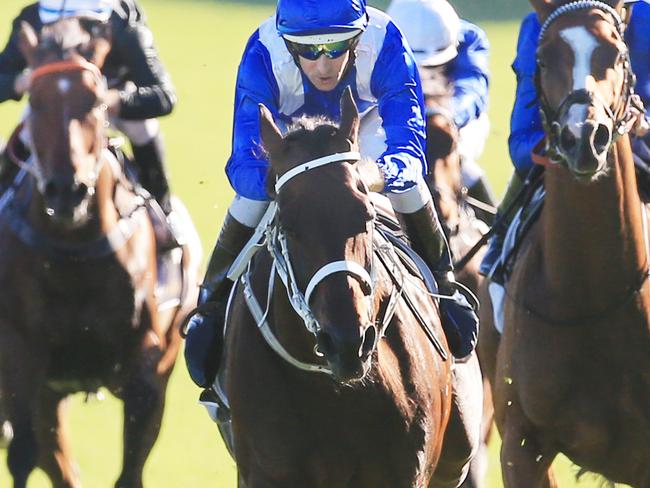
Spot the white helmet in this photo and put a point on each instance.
(53, 10)
(431, 28)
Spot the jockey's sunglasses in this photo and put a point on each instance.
(331, 50)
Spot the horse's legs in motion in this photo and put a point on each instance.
(144, 401)
(462, 437)
(23, 373)
(51, 426)
(524, 462)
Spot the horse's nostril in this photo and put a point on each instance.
(50, 190)
(80, 191)
(567, 139)
(602, 139)
(368, 344)
(325, 344)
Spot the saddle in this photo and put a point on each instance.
(170, 284)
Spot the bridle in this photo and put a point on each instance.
(56, 67)
(620, 113)
(276, 243)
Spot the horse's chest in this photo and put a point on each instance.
(83, 304)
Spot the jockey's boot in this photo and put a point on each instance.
(150, 158)
(459, 320)
(482, 191)
(204, 333)
(491, 266)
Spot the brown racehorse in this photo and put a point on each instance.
(464, 229)
(78, 308)
(573, 367)
(337, 384)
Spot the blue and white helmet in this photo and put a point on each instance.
(320, 22)
(53, 10)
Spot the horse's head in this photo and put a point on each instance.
(67, 115)
(584, 81)
(327, 217)
(442, 139)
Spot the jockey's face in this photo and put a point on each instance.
(324, 73)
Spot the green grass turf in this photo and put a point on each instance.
(201, 42)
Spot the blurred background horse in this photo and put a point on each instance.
(573, 369)
(464, 222)
(82, 303)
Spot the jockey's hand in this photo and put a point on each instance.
(22, 82)
(113, 102)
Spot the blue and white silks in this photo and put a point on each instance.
(385, 86)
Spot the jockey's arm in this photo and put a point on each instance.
(470, 74)
(248, 166)
(396, 85)
(133, 45)
(12, 62)
(526, 129)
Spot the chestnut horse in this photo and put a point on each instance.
(573, 367)
(78, 308)
(345, 380)
(464, 229)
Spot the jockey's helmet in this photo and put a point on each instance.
(318, 22)
(53, 10)
(431, 27)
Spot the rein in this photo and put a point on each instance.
(620, 114)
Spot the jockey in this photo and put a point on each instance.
(299, 62)
(439, 38)
(140, 87)
(526, 131)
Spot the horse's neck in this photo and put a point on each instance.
(103, 215)
(593, 235)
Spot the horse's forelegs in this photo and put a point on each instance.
(144, 399)
(22, 375)
(463, 434)
(524, 461)
(52, 431)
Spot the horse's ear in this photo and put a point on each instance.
(271, 135)
(100, 43)
(543, 8)
(27, 43)
(349, 127)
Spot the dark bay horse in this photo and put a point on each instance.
(464, 230)
(79, 307)
(573, 367)
(335, 383)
